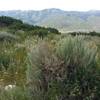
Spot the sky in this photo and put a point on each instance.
(68, 5)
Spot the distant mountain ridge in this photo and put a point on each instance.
(65, 21)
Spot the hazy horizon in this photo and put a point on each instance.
(49, 9)
(67, 5)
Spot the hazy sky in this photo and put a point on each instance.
(79, 5)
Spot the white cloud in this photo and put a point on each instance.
(80, 5)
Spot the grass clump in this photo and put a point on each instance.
(66, 72)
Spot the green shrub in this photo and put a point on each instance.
(80, 75)
(67, 72)
(12, 63)
(4, 36)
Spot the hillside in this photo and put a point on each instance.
(20, 29)
(65, 21)
(38, 64)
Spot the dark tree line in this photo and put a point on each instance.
(16, 24)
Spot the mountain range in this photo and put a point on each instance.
(64, 21)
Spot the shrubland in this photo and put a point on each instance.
(44, 65)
